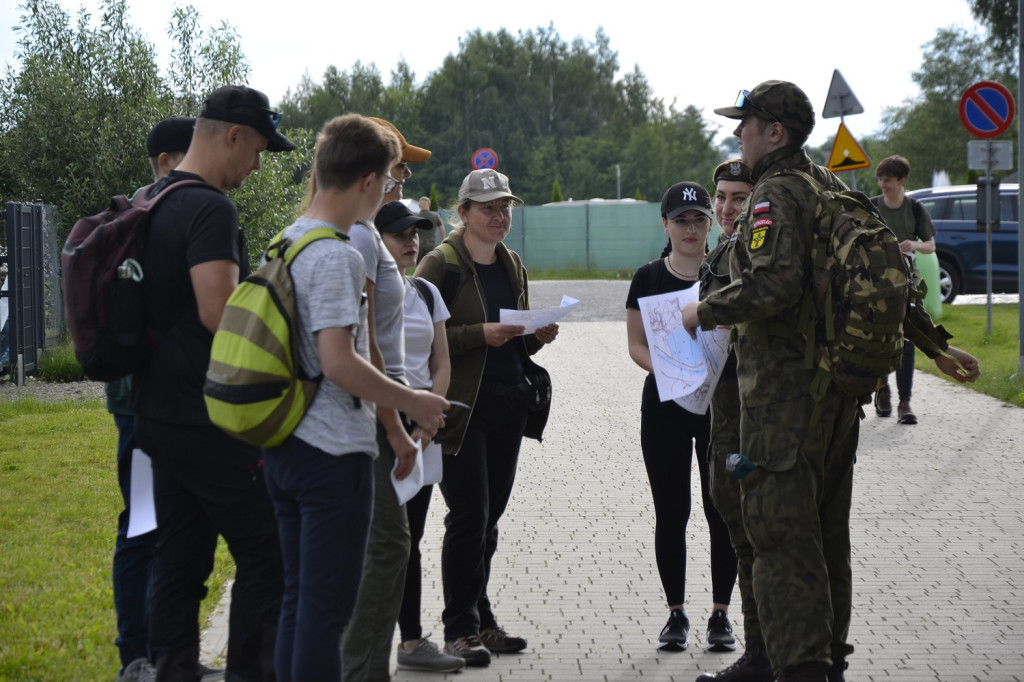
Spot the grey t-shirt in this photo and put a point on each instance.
(328, 276)
(388, 296)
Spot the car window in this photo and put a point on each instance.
(1008, 208)
(936, 207)
(964, 208)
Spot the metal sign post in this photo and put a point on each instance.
(840, 101)
(989, 155)
(986, 111)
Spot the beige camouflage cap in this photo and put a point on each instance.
(779, 101)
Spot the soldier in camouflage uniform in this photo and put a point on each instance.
(796, 477)
(733, 184)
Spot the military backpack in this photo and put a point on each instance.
(255, 387)
(861, 286)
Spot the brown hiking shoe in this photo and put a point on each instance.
(905, 414)
(883, 401)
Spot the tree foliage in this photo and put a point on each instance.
(75, 115)
(927, 130)
(1000, 16)
(74, 119)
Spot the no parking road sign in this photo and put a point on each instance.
(986, 109)
(484, 158)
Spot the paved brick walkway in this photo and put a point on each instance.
(938, 533)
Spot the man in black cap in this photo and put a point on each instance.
(205, 483)
(795, 471)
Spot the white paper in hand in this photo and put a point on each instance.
(433, 467)
(142, 516)
(411, 484)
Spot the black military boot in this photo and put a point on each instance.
(752, 666)
(837, 673)
(806, 672)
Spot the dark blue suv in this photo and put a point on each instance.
(960, 243)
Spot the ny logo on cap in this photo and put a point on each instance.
(489, 182)
(689, 194)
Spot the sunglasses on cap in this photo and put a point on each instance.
(744, 101)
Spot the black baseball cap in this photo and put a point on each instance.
(685, 196)
(170, 135)
(246, 106)
(396, 217)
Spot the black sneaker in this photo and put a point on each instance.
(498, 641)
(720, 632)
(471, 649)
(676, 633)
(752, 666)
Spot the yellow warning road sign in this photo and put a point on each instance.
(846, 153)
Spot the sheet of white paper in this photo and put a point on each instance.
(683, 367)
(433, 468)
(142, 516)
(715, 345)
(535, 319)
(411, 484)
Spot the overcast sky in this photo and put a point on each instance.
(696, 53)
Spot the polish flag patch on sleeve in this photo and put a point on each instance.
(762, 207)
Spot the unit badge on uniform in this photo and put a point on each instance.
(759, 232)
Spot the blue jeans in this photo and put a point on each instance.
(133, 559)
(323, 505)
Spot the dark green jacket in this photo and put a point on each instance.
(465, 328)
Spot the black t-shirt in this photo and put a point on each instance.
(503, 364)
(192, 225)
(651, 279)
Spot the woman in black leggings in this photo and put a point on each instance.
(669, 434)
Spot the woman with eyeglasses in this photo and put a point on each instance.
(478, 275)
(669, 434)
(427, 366)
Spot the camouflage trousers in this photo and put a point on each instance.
(725, 494)
(796, 512)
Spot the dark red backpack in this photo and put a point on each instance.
(104, 303)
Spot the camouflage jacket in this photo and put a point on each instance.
(770, 274)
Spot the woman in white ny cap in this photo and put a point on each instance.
(477, 276)
(669, 434)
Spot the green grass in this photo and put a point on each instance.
(59, 501)
(999, 353)
(580, 274)
(58, 363)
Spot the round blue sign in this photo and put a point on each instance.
(986, 109)
(484, 158)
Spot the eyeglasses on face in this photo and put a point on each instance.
(744, 101)
(389, 183)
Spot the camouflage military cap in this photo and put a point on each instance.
(733, 170)
(779, 101)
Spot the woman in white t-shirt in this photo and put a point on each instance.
(427, 366)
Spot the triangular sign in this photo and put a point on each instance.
(846, 153)
(840, 100)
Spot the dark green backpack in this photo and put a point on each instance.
(861, 285)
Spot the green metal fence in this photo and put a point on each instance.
(603, 236)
